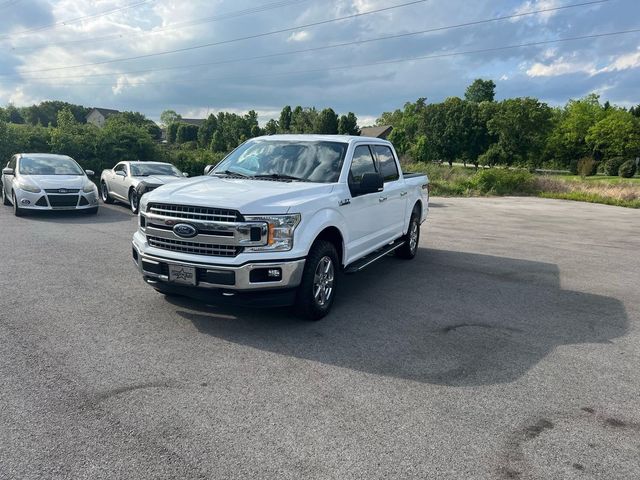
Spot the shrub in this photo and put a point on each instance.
(587, 167)
(503, 182)
(612, 166)
(627, 169)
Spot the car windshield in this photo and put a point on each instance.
(145, 169)
(48, 166)
(310, 161)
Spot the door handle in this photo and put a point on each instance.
(402, 194)
(382, 199)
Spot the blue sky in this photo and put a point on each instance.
(34, 38)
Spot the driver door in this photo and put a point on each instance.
(119, 184)
(7, 180)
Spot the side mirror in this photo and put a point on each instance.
(90, 173)
(208, 168)
(185, 174)
(121, 173)
(8, 171)
(370, 183)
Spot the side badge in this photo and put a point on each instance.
(344, 202)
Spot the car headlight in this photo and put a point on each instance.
(28, 187)
(144, 200)
(89, 187)
(280, 228)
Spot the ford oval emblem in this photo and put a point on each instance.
(185, 230)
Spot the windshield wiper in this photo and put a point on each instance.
(231, 173)
(281, 176)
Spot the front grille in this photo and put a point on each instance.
(195, 213)
(66, 190)
(63, 200)
(194, 247)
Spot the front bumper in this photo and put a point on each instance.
(227, 278)
(41, 201)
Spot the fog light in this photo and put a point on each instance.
(274, 273)
(24, 201)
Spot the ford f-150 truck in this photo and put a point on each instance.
(278, 219)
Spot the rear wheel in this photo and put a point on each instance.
(17, 211)
(134, 201)
(104, 193)
(317, 290)
(412, 238)
(5, 199)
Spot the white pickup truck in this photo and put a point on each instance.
(278, 219)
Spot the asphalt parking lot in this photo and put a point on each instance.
(509, 348)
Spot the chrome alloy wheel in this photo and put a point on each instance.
(323, 281)
(413, 236)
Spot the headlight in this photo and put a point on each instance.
(144, 200)
(28, 187)
(89, 187)
(281, 228)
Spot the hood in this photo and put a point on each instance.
(56, 181)
(250, 197)
(159, 179)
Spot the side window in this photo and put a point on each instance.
(12, 163)
(121, 167)
(388, 166)
(362, 163)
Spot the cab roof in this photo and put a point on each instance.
(321, 138)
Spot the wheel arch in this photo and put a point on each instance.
(334, 236)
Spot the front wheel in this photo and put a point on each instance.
(318, 287)
(17, 211)
(104, 193)
(411, 240)
(134, 201)
(5, 200)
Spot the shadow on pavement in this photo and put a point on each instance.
(106, 214)
(446, 317)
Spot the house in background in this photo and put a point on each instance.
(376, 132)
(98, 116)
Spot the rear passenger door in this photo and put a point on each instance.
(393, 199)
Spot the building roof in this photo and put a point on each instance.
(192, 121)
(105, 112)
(377, 132)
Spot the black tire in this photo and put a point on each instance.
(319, 281)
(91, 211)
(134, 201)
(17, 211)
(5, 199)
(412, 237)
(104, 193)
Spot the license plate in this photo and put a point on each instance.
(182, 274)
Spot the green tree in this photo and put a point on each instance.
(13, 114)
(186, 133)
(327, 122)
(206, 131)
(348, 124)
(285, 119)
(217, 142)
(72, 138)
(121, 140)
(172, 132)
(481, 91)
(617, 134)
(271, 128)
(521, 126)
(168, 117)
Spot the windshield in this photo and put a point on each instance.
(307, 161)
(145, 169)
(48, 166)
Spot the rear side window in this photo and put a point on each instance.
(388, 166)
(362, 163)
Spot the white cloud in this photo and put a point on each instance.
(298, 36)
(532, 5)
(562, 66)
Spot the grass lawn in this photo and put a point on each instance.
(459, 181)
